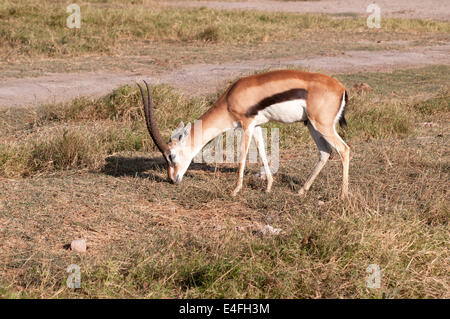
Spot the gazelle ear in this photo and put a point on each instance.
(187, 129)
(177, 134)
(186, 132)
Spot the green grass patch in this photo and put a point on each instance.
(402, 84)
(39, 27)
(434, 107)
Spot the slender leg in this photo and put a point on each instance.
(343, 150)
(245, 142)
(259, 140)
(324, 153)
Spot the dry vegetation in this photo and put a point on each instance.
(56, 136)
(35, 31)
(79, 170)
(87, 168)
(39, 28)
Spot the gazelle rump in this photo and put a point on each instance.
(285, 96)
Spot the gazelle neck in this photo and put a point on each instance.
(211, 124)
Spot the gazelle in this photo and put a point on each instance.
(285, 96)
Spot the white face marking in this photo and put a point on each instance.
(285, 112)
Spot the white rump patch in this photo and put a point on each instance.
(341, 109)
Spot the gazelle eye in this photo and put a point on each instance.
(172, 157)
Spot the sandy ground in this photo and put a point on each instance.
(205, 78)
(435, 9)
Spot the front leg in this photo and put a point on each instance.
(259, 140)
(245, 142)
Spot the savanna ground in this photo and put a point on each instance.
(86, 168)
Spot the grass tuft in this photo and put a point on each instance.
(210, 34)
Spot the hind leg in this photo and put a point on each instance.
(324, 153)
(331, 136)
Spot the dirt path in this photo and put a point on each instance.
(205, 78)
(435, 9)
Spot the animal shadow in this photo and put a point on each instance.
(146, 167)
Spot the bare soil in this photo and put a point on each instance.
(198, 79)
(434, 9)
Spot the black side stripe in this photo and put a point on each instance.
(289, 95)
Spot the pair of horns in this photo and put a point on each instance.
(151, 122)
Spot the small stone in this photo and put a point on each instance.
(320, 203)
(269, 219)
(78, 245)
(268, 230)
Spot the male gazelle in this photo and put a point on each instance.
(285, 96)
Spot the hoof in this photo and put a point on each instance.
(236, 191)
(344, 195)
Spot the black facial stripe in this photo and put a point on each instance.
(289, 95)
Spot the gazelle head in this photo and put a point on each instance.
(177, 152)
(179, 156)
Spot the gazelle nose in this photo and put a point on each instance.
(178, 179)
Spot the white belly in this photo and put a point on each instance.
(286, 112)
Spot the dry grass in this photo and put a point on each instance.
(80, 134)
(38, 28)
(142, 35)
(55, 137)
(148, 238)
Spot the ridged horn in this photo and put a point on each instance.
(151, 122)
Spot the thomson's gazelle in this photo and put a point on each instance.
(286, 96)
